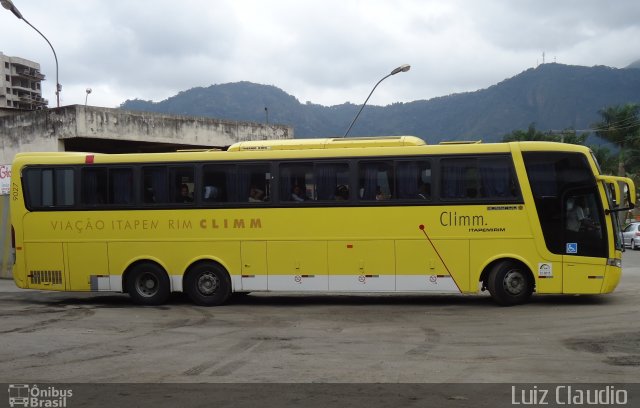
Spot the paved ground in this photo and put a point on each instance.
(69, 337)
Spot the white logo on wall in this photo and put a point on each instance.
(25, 395)
(545, 270)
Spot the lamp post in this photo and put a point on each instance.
(87, 96)
(401, 68)
(8, 4)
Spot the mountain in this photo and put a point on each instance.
(634, 64)
(553, 96)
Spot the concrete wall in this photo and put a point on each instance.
(48, 129)
(128, 125)
(51, 129)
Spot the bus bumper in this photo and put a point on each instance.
(611, 278)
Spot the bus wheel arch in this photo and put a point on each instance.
(147, 283)
(207, 283)
(509, 281)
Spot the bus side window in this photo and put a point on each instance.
(218, 182)
(182, 184)
(254, 183)
(297, 183)
(376, 180)
(332, 181)
(121, 186)
(94, 186)
(413, 180)
(155, 186)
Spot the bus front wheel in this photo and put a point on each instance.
(207, 284)
(510, 283)
(148, 284)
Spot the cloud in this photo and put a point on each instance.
(323, 51)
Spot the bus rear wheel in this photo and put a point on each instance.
(510, 283)
(148, 284)
(208, 284)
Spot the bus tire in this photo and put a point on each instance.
(510, 283)
(207, 284)
(148, 284)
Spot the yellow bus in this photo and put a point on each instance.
(386, 214)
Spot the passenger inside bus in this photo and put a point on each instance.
(424, 191)
(342, 192)
(297, 194)
(256, 195)
(185, 195)
(575, 214)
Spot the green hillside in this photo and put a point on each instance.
(553, 96)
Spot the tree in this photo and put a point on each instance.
(564, 136)
(607, 161)
(620, 125)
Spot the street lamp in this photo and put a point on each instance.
(87, 96)
(401, 68)
(8, 4)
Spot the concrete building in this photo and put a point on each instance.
(103, 130)
(20, 81)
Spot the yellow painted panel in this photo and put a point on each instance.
(297, 258)
(455, 254)
(361, 257)
(45, 266)
(418, 258)
(254, 257)
(612, 279)
(583, 275)
(254, 265)
(175, 257)
(86, 259)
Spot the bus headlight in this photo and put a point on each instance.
(614, 262)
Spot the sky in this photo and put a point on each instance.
(325, 52)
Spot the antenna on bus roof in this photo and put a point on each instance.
(401, 68)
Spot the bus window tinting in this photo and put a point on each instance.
(297, 182)
(49, 188)
(478, 178)
(332, 181)
(413, 180)
(375, 180)
(305, 182)
(254, 183)
(217, 182)
(181, 184)
(102, 185)
(168, 185)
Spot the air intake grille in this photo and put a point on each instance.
(44, 277)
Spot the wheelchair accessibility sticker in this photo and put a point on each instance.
(572, 247)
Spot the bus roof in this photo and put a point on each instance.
(300, 148)
(328, 143)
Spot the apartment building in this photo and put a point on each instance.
(20, 81)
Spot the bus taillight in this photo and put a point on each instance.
(13, 238)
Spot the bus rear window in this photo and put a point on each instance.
(49, 187)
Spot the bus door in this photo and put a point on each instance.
(585, 241)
